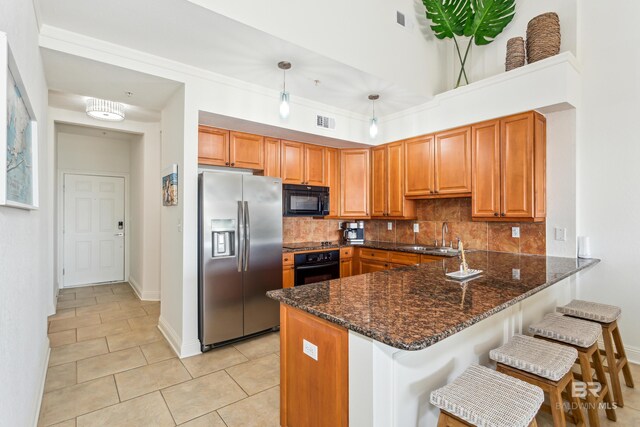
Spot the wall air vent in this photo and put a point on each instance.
(400, 19)
(325, 122)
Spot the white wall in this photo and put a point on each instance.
(488, 60)
(340, 29)
(26, 248)
(561, 181)
(139, 157)
(92, 153)
(608, 200)
(174, 243)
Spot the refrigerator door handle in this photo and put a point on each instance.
(247, 236)
(241, 242)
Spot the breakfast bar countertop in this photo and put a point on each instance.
(414, 307)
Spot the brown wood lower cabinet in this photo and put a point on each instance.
(372, 260)
(314, 392)
(369, 266)
(346, 262)
(288, 272)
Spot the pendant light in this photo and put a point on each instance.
(373, 123)
(103, 109)
(284, 95)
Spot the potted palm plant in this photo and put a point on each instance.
(479, 20)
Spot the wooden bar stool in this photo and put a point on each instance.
(546, 365)
(484, 397)
(583, 336)
(607, 316)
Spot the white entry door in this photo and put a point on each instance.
(93, 229)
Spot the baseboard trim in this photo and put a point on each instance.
(40, 393)
(181, 349)
(633, 354)
(143, 295)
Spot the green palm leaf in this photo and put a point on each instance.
(449, 17)
(490, 17)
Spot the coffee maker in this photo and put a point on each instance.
(353, 232)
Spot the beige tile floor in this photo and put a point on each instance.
(110, 366)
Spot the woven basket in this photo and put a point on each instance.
(543, 37)
(515, 53)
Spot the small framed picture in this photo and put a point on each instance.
(170, 185)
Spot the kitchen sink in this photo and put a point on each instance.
(431, 249)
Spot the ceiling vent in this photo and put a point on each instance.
(400, 19)
(325, 122)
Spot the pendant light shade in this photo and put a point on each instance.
(373, 123)
(285, 108)
(103, 109)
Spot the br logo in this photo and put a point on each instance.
(580, 389)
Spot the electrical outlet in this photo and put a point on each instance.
(561, 234)
(416, 228)
(310, 349)
(515, 232)
(389, 225)
(515, 273)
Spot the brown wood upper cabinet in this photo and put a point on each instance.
(354, 183)
(332, 158)
(387, 182)
(509, 168)
(438, 165)
(213, 146)
(272, 157)
(302, 163)
(219, 147)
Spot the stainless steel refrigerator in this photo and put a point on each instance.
(240, 251)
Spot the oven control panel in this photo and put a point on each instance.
(317, 257)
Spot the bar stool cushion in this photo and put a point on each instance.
(484, 397)
(567, 329)
(539, 357)
(591, 310)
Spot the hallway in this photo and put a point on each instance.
(110, 365)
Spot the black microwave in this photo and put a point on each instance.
(305, 200)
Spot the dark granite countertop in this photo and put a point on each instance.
(387, 246)
(414, 307)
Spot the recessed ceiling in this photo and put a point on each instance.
(187, 33)
(71, 79)
(95, 132)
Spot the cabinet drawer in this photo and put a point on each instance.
(346, 252)
(404, 258)
(430, 258)
(287, 259)
(374, 254)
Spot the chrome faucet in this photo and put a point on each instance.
(445, 229)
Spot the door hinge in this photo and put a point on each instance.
(63, 271)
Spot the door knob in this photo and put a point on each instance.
(119, 234)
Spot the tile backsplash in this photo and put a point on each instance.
(492, 236)
(307, 229)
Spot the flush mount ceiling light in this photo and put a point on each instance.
(284, 95)
(373, 123)
(103, 109)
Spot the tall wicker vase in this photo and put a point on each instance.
(515, 53)
(543, 37)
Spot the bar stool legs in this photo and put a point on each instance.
(593, 396)
(448, 420)
(555, 391)
(616, 360)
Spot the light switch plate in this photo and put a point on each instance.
(389, 225)
(416, 228)
(515, 232)
(515, 273)
(560, 234)
(310, 349)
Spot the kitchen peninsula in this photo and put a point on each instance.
(367, 350)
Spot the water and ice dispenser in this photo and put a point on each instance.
(223, 237)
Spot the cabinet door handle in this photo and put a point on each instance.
(226, 163)
(496, 214)
(233, 164)
(502, 214)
